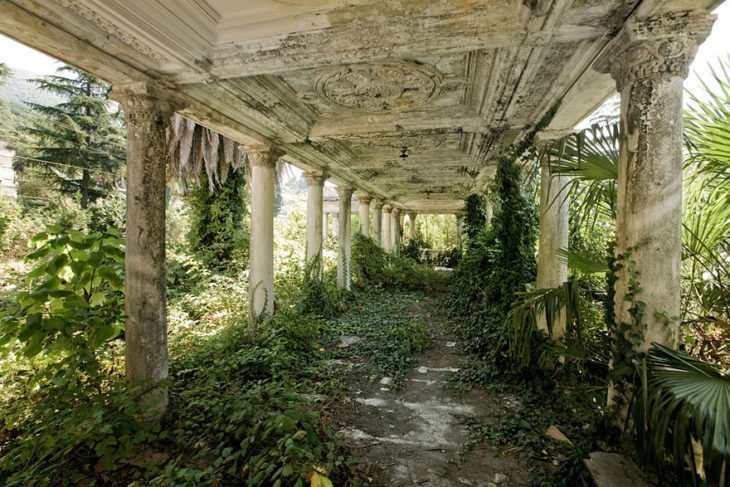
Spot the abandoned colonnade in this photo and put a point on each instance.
(648, 60)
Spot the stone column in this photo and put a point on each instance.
(385, 235)
(315, 183)
(649, 60)
(344, 245)
(262, 162)
(412, 230)
(364, 201)
(489, 209)
(335, 225)
(147, 117)
(378, 222)
(553, 235)
(395, 230)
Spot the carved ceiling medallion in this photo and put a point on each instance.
(388, 86)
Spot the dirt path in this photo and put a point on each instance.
(413, 436)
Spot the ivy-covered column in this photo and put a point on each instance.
(385, 236)
(344, 240)
(412, 230)
(147, 116)
(395, 230)
(315, 183)
(262, 161)
(378, 222)
(553, 235)
(364, 201)
(649, 60)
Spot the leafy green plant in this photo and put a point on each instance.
(218, 231)
(682, 400)
(74, 304)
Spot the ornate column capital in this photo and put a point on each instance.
(396, 211)
(145, 101)
(659, 46)
(264, 155)
(387, 208)
(345, 192)
(315, 178)
(412, 215)
(378, 205)
(364, 199)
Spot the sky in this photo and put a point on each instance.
(717, 45)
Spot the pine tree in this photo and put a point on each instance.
(79, 144)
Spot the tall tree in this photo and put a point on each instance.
(79, 144)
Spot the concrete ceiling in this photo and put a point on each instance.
(346, 85)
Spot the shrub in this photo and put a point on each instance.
(217, 233)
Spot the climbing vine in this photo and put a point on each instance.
(218, 234)
(500, 259)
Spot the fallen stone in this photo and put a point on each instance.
(500, 478)
(348, 340)
(554, 433)
(614, 470)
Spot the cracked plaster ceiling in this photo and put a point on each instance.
(346, 85)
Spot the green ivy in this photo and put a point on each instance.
(74, 304)
(217, 231)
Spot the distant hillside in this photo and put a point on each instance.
(19, 89)
(14, 94)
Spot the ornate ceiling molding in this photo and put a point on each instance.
(379, 87)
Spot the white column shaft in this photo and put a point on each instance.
(553, 235)
(344, 246)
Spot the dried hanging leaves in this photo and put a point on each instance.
(191, 147)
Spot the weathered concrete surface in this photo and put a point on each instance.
(413, 436)
(614, 470)
(147, 117)
(378, 221)
(395, 215)
(552, 271)
(262, 160)
(649, 61)
(344, 238)
(364, 203)
(386, 228)
(412, 228)
(315, 232)
(352, 86)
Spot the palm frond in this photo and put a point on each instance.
(590, 157)
(584, 261)
(684, 399)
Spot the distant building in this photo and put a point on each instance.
(8, 184)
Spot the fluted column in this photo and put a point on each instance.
(386, 227)
(262, 161)
(395, 230)
(412, 230)
(378, 222)
(147, 117)
(553, 235)
(344, 245)
(649, 61)
(315, 182)
(364, 201)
